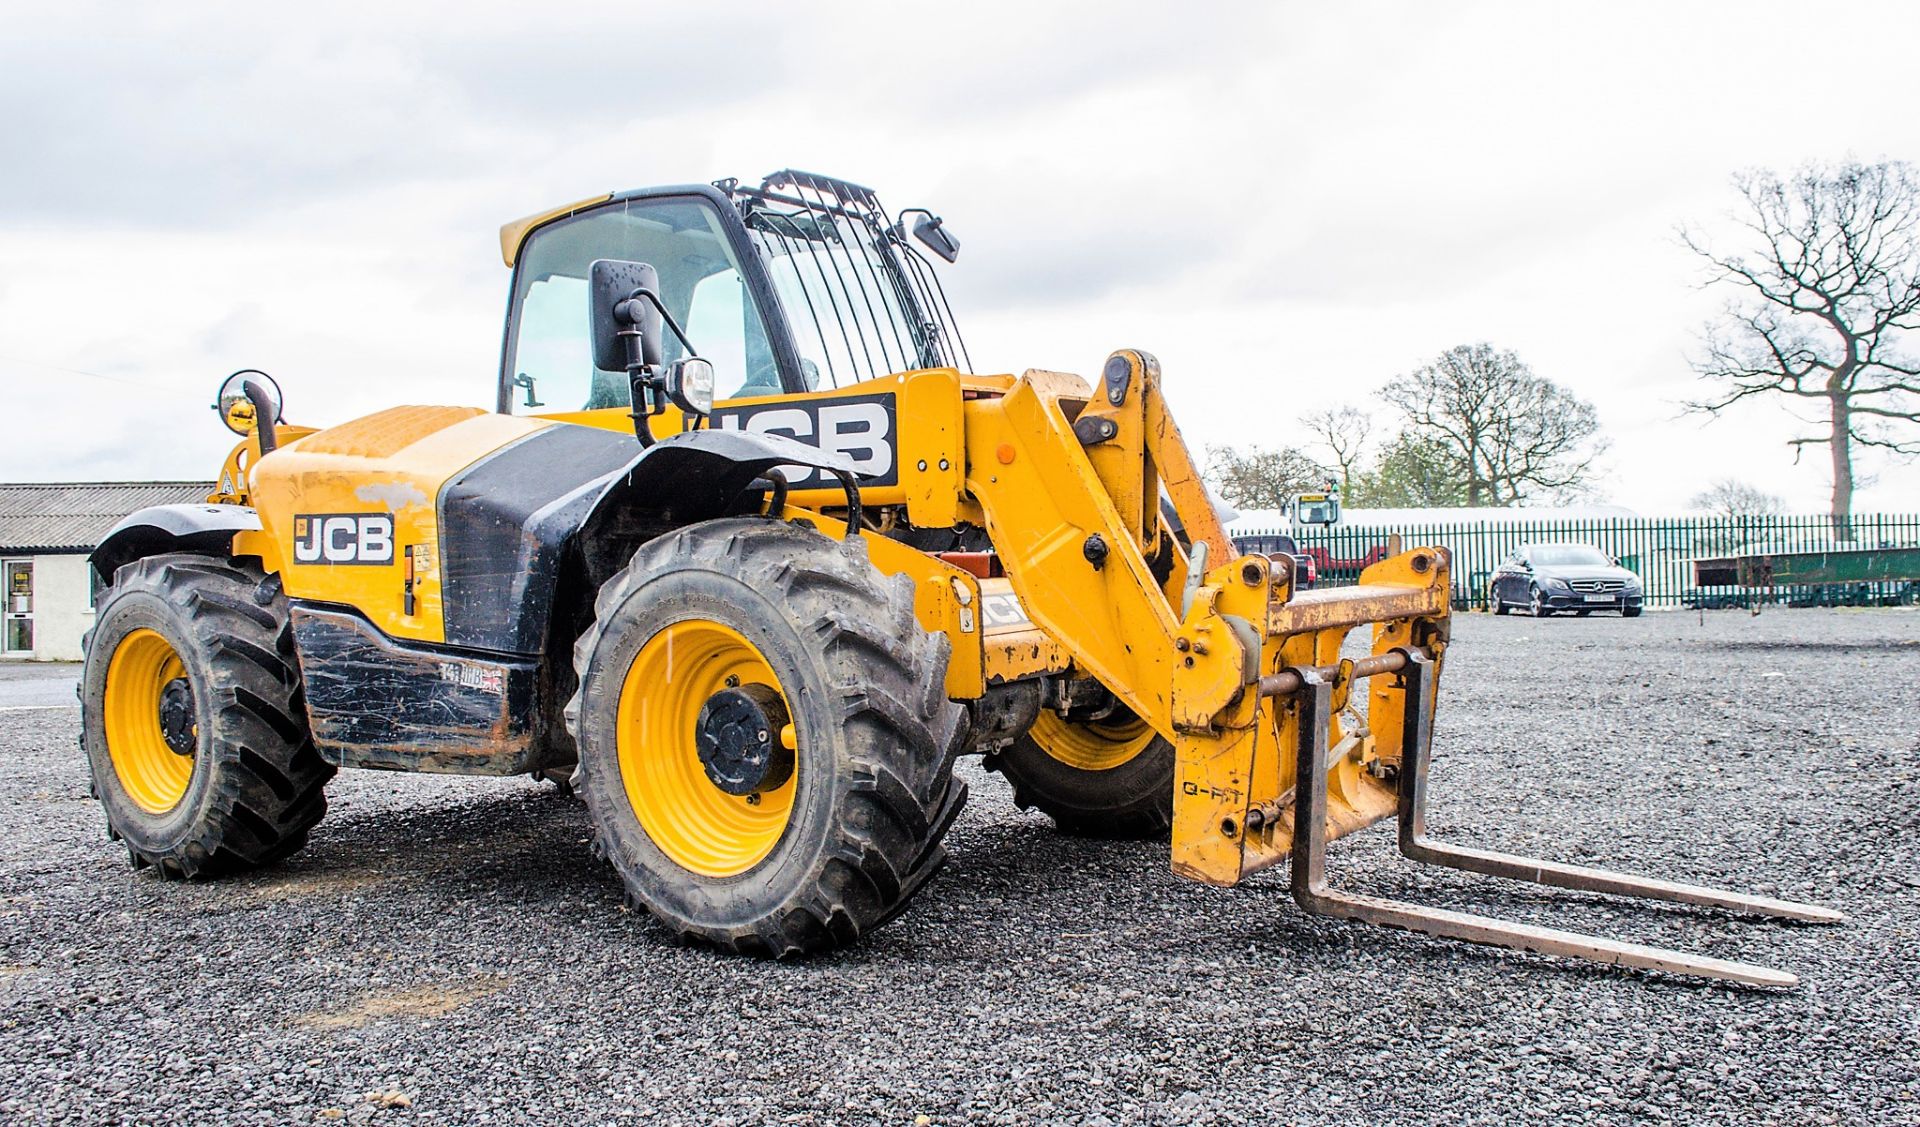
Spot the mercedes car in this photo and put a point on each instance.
(1544, 579)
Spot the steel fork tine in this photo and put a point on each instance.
(1416, 753)
(1310, 889)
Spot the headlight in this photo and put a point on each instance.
(1558, 584)
(690, 385)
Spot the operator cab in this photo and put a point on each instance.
(1317, 508)
(802, 284)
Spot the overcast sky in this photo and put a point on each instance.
(1289, 203)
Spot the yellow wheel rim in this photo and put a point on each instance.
(701, 827)
(1099, 746)
(154, 776)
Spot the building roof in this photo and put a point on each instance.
(72, 516)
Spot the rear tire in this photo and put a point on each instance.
(852, 830)
(1499, 607)
(1061, 767)
(194, 721)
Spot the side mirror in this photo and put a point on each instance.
(249, 401)
(615, 315)
(941, 242)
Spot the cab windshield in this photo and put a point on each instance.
(861, 301)
(700, 283)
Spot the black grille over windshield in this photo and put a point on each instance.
(862, 301)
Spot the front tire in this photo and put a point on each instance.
(1538, 602)
(822, 655)
(194, 721)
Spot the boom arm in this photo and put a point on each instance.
(1246, 678)
(1069, 479)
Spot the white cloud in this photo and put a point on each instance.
(1291, 204)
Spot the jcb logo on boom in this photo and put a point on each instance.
(343, 538)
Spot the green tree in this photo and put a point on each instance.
(1412, 472)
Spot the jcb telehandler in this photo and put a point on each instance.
(754, 629)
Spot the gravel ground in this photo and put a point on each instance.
(445, 951)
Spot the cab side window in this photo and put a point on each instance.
(550, 356)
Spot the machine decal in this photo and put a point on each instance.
(1002, 610)
(488, 679)
(343, 538)
(395, 495)
(859, 426)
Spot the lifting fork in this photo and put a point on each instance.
(1312, 689)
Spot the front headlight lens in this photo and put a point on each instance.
(1558, 584)
(690, 385)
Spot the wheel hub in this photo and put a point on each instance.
(745, 740)
(177, 726)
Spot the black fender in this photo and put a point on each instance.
(206, 529)
(513, 522)
(705, 471)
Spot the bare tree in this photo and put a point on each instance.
(1831, 283)
(1343, 432)
(1736, 499)
(1261, 478)
(1510, 432)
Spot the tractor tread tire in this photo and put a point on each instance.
(259, 786)
(1131, 802)
(884, 688)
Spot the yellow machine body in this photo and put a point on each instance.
(459, 585)
(1184, 654)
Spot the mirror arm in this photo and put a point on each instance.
(644, 385)
(633, 322)
(263, 420)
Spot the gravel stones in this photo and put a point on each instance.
(447, 951)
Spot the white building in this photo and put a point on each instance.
(46, 532)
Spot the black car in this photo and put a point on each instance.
(1545, 578)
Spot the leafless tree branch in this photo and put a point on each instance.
(1830, 278)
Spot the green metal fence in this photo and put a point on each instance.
(1660, 550)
